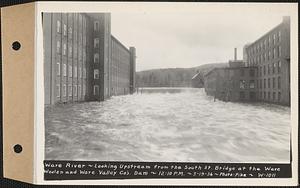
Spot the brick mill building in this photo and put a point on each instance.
(82, 60)
(271, 55)
(263, 75)
(233, 83)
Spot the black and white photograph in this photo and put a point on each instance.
(206, 86)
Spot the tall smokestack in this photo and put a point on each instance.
(235, 54)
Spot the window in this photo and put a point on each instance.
(96, 58)
(279, 82)
(96, 89)
(84, 40)
(58, 46)
(64, 49)
(96, 74)
(266, 56)
(270, 40)
(279, 36)
(242, 95)
(58, 26)
(264, 69)
(58, 90)
(279, 67)
(260, 84)
(269, 55)
(96, 42)
(65, 29)
(268, 68)
(83, 90)
(80, 73)
(70, 50)
(252, 72)
(264, 83)
(75, 90)
(84, 73)
(242, 72)
(261, 68)
(79, 38)
(96, 26)
(75, 71)
(70, 90)
(274, 38)
(274, 96)
(242, 84)
(252, 95)
(264, 95)
(70, 70)
(252, 84)
(64, 69)
(279, 97)
(70, 32)
(79, 91)
(274, 84)
(269, 83)
(274, 67)
(58, 68)
(274, 52)
(279, 51)
(269, 95)
(65, 90)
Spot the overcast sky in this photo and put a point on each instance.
(189, 37)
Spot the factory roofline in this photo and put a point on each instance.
(114, 38)
(218, 68)
(250, 44)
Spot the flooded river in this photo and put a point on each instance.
(168, 125)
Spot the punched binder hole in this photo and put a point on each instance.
(18, 148)
(16, 45)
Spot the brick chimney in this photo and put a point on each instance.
(235, 54)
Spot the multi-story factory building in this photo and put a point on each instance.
(271, 55)
(233, 83)
(267, 60)
(82, 60)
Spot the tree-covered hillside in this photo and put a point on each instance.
(172, 77)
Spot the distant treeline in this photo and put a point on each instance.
(172, 77)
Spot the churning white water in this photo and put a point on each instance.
(168, 125)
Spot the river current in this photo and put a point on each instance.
(168, 125)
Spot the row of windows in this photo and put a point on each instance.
(277, 52)
(64, 52)
(270, 68)
(70, 31)
(268, 41)
(96, 59)
(81, 74)
(263, 83)
(271, 96)
(64, 90)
